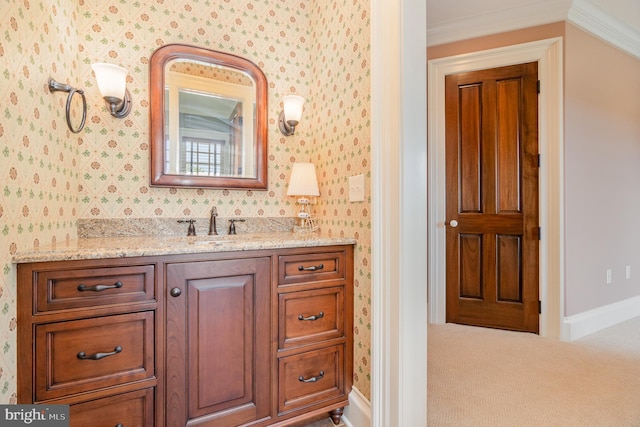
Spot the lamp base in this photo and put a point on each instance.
(307, 225)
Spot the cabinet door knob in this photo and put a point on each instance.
(175, 292)
(453, 223)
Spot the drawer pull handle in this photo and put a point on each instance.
(99, 288)
(312, 379)
(97, 356)
(119, 425)
(316, 317)
(312, 268)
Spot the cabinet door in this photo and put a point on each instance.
(218, 342)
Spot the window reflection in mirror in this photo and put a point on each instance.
(209, 120)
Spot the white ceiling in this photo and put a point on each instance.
(616, 21)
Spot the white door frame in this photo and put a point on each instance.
(549, 55)
(399, 208)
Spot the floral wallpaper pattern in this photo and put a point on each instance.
(51, 177)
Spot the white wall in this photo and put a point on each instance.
(602, 172)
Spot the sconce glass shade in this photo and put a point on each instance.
(293, 107)
(291, 114)
(112, 82)
(303, 180)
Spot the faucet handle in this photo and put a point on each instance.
(232, 225)
(192, 228)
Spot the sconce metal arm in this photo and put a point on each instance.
(287, 127)
(119, 108)
(55, 86)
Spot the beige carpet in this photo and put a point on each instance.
(483, 377)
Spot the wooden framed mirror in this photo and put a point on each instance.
(208, 119)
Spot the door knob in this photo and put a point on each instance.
(175, 292)
(453, 223)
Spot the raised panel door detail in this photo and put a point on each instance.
(470, 148)
(508, 258)
(218, 342)
(509, 150)
(217, 308)
(470, 256)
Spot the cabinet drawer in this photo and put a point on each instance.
(310, 316)
(84, 355)
(90, 287)
(134, 409)
(310, 378)
(311, 267)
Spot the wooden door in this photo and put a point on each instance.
(492, 197)
(218, 342)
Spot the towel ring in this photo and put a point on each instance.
(55, 86)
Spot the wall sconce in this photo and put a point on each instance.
(290, 115)
(112, 82)
(304, 182)
(55, 86)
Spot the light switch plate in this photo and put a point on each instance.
(356, 188)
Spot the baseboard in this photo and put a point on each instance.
(583, 324)
(358, 413)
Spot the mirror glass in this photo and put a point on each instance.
(208, 119)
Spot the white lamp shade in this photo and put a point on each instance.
(292, 107)
(303, 180)
(112, 80)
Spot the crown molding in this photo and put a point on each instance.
(595, 20)
(494, 22)
(582, 13)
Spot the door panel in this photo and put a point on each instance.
(492, 197)
(218, 342)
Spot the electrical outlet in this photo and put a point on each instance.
(627, 272)
(609, 276)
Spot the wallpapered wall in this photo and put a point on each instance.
(51, 177)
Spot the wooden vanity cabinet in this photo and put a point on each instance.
(315, 329)
(87, 336)
(218, 340)
(241, 338)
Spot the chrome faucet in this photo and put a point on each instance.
(212, 222)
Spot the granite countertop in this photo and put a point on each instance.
(121, 247)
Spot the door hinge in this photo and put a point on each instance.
(539, 233)
(539, 307)
(539, 160)
(538, 86)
